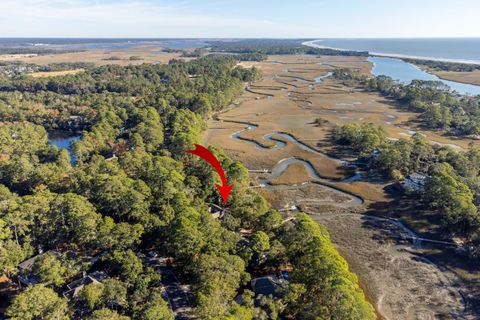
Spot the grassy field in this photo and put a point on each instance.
(468, 77)
(472, 77)
(47, 74)
(146, 54)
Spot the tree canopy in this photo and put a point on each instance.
(131, 189)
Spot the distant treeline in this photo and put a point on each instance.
(277, 46)
(445, 66)
(61, 66)
(197, 53)
(17, 68)
(200, 52)
(33, 50)
(254, 56)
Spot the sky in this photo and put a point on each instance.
(240, 18)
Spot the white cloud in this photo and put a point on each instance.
(234, 18)
(75, 18)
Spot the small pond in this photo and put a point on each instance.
(64, 140)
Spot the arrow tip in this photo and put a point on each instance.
(225, 192)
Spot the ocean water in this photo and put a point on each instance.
(404, 72)
(100, 43)
(448, 49)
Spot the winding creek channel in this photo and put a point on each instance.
(281, 167)
(278, 138)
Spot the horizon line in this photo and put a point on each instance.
(229, 38)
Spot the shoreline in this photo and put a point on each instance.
(419, 66)
(441, 76)
(393, 55)
(456, 80)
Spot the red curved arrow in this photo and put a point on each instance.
(205, 154)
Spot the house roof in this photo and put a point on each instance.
(73, 288)
(217, 212)
(213, 208)
(95, 277)
(28, 264)
(417, 176)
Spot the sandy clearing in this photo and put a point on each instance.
(47, 74)
(15, 57)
